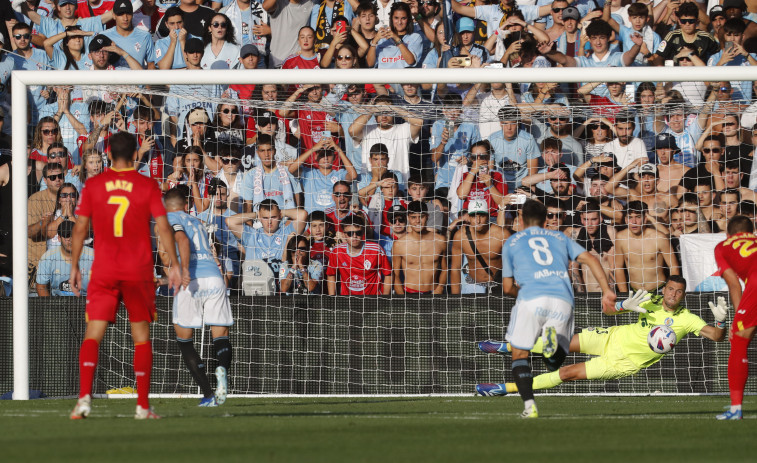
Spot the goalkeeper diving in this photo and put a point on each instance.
(621, 350)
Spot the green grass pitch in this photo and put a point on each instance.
(387, 430)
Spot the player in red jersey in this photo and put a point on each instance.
(362, 266)
(119, 204)
(737, 259)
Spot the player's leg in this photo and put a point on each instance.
(222, 349)
(738, 371)
(524, 381)
(557, 334)
(102, 303)
(187, 315)
(88, 356)
(218, 316)
(193, 361)
(139, 299)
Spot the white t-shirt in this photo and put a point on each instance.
(626, 154)
(488, 121)
(397, 140)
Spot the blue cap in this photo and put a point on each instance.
(465, 25)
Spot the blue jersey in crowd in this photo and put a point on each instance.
(202, 264)
(543, 257)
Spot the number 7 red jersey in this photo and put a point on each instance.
(120, 204)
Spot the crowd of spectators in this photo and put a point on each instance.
(385, 188)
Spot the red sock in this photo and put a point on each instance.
(738, 368)
(142, 370)
(87, 365)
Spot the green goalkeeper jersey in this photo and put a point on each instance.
(632, 339)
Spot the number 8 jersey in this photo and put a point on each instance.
(538, 260)
(119, 204)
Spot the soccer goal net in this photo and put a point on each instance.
(643, 174)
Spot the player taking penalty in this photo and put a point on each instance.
(535, 270)
(623, 350)
(737, 260)
(202, 300)
(119, 203)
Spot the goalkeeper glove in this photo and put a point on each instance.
(632, 303)
(720, 311)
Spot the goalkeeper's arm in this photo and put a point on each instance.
(720, 312)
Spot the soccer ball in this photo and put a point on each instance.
(661, 339)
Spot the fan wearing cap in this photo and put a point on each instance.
(419, 259)
(397, 216)
(249, 57)
(476, 252)
(197, 133)
(179, 107)
(717, 19)
(66, 15)
(54, 268)
(669, 171)
(250, 23)
(646, 189)
(467, 46)
(105, 56)
(136, 42)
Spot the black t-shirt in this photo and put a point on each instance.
(704, 43)
(698, 174)
(741, 153)
(195, 23)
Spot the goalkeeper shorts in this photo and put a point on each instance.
(611, 363)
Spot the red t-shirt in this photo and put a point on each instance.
(120, 204)
(479, 191)
(332, 215)
(362, 274)
(298, 62)
(312, 130)
(83, 8)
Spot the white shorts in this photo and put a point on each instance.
(206, 295)
(529, 318)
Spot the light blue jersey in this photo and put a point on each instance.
(512, 156)
(270, 248)
(318, 188)
(202, 264)
(54, 270)
(138, 44)
(542, 257)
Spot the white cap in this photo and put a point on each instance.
(478, 206)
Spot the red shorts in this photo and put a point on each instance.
(415, 291)
(103, 297)
(746, 314)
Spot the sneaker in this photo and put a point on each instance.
(530, 412)
(145, 414)
(494, 347)
(729, 415)
(549, 338)
(491, 389)
(208, 402)
(82, 408)
(222, 385)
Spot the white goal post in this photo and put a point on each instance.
(21, 80)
